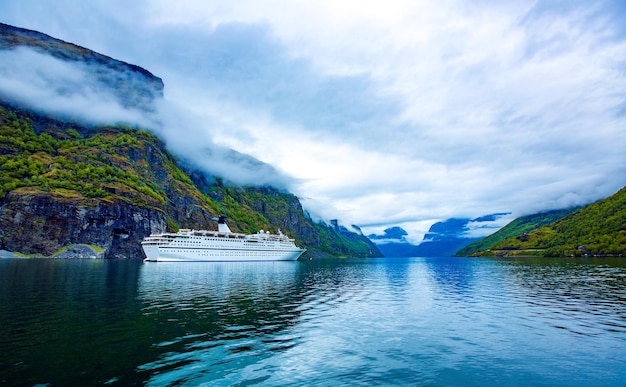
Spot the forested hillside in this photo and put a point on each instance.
(598, 229)
(517, 227)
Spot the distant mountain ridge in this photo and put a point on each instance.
(443, 239)
(69, 189)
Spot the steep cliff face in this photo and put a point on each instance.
(38, 223)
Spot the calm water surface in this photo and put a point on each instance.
(409, 321)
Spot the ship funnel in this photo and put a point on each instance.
(221, 225)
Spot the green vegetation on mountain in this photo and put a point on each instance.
(519, 226)
(73, 165)
(105, 163)
(598, 229)
(254, 208)
(63, 184)
(336, 239)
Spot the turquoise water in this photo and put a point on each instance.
(393, 321)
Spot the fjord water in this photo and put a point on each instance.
(391, 321)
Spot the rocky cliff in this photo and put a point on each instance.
(37, 223)
(64, 184)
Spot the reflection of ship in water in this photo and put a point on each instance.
(210, 316)
(223, 294)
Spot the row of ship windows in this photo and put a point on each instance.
(221, 247)
(198, 243)
(226, 253)
(199, 240)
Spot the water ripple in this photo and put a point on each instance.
(363, 322)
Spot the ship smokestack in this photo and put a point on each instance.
(221, 225)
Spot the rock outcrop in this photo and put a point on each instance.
(40, 223)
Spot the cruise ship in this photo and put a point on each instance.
(221, 245)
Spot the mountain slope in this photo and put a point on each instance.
(517, 227)
(64, 183)
(597, 229)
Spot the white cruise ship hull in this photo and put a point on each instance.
(173, 254)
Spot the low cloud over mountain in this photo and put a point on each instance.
(59, 78)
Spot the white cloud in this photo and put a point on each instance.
(64, 88)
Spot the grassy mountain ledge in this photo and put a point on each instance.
(63, 184)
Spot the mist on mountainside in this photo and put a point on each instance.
(57, 78)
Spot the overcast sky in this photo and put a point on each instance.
(385, 113)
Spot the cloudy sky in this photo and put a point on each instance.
(385, 113)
